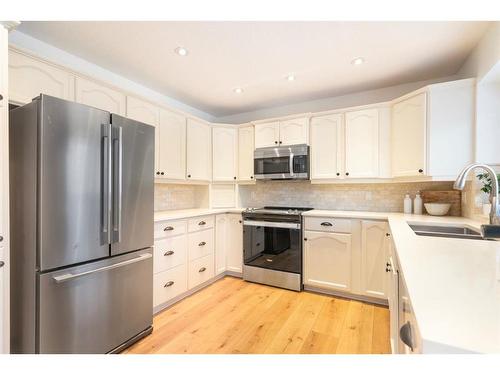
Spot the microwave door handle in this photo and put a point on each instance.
(291, 164)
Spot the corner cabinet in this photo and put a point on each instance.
(362, 143)
(172, 146)
(99, 96)
(282, 133)
(374, 250)
(327, 260)
(225, 153)
(199, 151)
(245, 153)
(429, 126)
(30, 77)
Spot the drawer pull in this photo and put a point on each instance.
(202, 243)
(170, 252)
(168, 228)
(170, 283)
(326, 224)
(202, 269)
(202, 223)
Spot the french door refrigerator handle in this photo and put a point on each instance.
(291, 164)
(117, 146)
(70, 276)
(106, 184)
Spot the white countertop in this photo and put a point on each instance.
(453, 284)
(192, 212)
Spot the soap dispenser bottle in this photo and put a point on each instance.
(407, 204)
(417, 204)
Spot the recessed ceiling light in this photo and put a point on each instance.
(290, 77)
(238, 90)
(358, 61)
(181, 51)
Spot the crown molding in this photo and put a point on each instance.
(10, 25)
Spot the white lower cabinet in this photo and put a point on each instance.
(392, 280)
(200, 270)
(327, 260)
(169, 284)
(169, 252)
(234, 244)
(374, 242)
(220, 243)
(200, 244)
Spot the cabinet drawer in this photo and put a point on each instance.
(200, 223)
(170, 252)
(170, 228)
(328, 224)
(200, 270)
(169, 284)
(200, 244)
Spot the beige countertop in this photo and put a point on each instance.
(453, 284)
(192, 212)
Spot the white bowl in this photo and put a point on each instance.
(437, 209)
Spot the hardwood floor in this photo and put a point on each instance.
(234, 316)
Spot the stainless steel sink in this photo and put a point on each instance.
(446, 231)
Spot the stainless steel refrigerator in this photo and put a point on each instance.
(81, 190)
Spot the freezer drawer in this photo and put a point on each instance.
(95, 307)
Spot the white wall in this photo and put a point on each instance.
(75, 63)
(484, 56)
(331, 103)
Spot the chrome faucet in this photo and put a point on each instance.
(493, 229)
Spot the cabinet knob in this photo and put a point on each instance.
(420, 171)
(1, 97)
(202, 269)
(388, 234)
(338, 174)
(387, 269)
(251, 177)
(2, 264)
(388, 264)
(170, 283)
(347, 173)
(162, 173)
(189, 176)
(234, 177)
(170, 252)
(276, 142)
(1, 238)
(240, 221)
(281, 142)
(305, 239)
(157, 173)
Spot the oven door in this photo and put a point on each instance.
(272, 245)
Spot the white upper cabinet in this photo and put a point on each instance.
(408, 136)
(147, 113)
(362, 143)
(172, 146)
(245, 153)
(295, 131)
(99, 96)
(282, 133)
(433, 130)
(29, 77)
(374, 243)
(327, 260)
(267, 135)
(326, 147)
(225, 153)
(199, 150)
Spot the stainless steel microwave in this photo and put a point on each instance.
(282, 163)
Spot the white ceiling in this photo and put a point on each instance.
(258, 56)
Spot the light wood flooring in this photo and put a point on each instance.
(235, 316)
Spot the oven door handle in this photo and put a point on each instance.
(271, 224)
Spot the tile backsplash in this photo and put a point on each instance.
(381, 197)
(179, 197)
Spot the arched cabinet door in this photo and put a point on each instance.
(327, 260)
(294, 131)
(374, 244)
(95, 95)
(326, 147)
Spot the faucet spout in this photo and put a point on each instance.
(460, 184)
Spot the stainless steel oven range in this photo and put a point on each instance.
(272, 246)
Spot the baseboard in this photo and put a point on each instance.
(356, 297)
